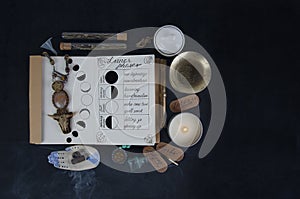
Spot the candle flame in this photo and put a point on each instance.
(185, 129)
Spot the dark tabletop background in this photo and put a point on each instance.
(252, 42)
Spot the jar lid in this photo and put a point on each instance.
(169, 40)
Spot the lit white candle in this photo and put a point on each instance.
(185, 129)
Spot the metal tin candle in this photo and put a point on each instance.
(185, 129)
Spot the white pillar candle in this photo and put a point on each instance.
(185, 129)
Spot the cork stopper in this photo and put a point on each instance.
(122, 36)
(65, 46)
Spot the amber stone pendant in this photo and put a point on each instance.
(60, 99)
